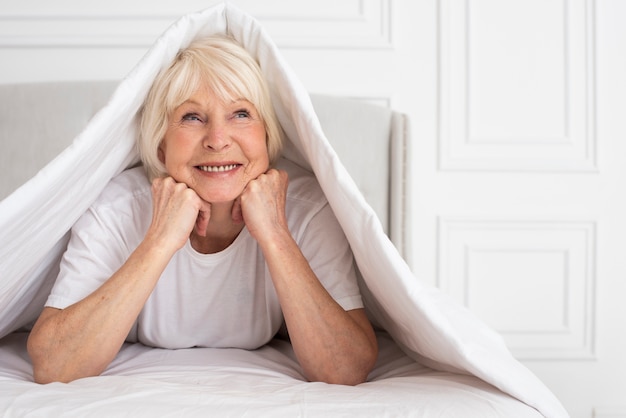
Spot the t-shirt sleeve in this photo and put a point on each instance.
(93, 255)
(326, 248)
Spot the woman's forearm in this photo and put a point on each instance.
(84, 338)
(332, 345)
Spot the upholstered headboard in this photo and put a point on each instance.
(39, 120)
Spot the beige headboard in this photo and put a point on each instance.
(38, 121)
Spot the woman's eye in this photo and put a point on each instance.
(191, 117)
(242, 114)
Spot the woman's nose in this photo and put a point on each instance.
(216, 137)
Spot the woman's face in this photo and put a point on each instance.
(213, 147)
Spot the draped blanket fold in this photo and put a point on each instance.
(36, 218)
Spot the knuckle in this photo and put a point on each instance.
(181, 187)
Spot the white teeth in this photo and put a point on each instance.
(217, 169)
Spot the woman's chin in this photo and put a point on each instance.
(218, 196)
(220, 190)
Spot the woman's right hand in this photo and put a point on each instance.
(177, 209)
(82, 339)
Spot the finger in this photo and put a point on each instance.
(202, 221)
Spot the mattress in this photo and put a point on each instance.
(268, 382)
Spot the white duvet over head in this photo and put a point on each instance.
(36, 218)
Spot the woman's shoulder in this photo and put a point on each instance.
(303, 186)
(129, 186)
(121, 213)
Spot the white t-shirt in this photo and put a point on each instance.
(226, 299)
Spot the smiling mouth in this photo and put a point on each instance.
(217, 168)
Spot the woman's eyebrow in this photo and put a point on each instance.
(189, 102)
(230, 102)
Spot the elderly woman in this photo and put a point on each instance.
(215, 242)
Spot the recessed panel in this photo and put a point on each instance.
(517, 90)
(502, 284)
(532, 281)
(324, 23)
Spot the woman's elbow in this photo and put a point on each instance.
(351, 374)
(43, 378)
(45, 372)
(368, 362)
(47, 368)
(36, 349)
(352, 378)
(38, 360)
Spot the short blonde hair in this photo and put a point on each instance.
(228, 70)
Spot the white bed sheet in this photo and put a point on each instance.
(200, 382)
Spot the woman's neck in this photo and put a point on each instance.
(220, 233)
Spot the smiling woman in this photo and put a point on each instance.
(238, 243)
(122, 247)
(227, 72)
(205, 136)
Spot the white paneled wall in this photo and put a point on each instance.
(532, 280)
(517, 89)
(518, 175)
(323, 23)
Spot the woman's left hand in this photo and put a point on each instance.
(331, 345)
(262, 205)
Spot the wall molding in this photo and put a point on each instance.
(531, 280)
(610, 412)
(564, 141)
(361, 24)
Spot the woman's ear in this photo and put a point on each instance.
(161, 153)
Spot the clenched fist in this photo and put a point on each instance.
(262, 204)
(177, 209)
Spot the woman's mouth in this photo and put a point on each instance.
(217, 168)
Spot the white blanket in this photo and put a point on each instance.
(34, 220)
(201, 382)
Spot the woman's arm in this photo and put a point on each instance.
(332, 345)
(83, 339)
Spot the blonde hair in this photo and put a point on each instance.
(228, 70)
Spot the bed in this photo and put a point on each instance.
(435, 358)
(200, 382)
(146, 381)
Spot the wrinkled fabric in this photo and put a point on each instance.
(35, 219)
(201, 382)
